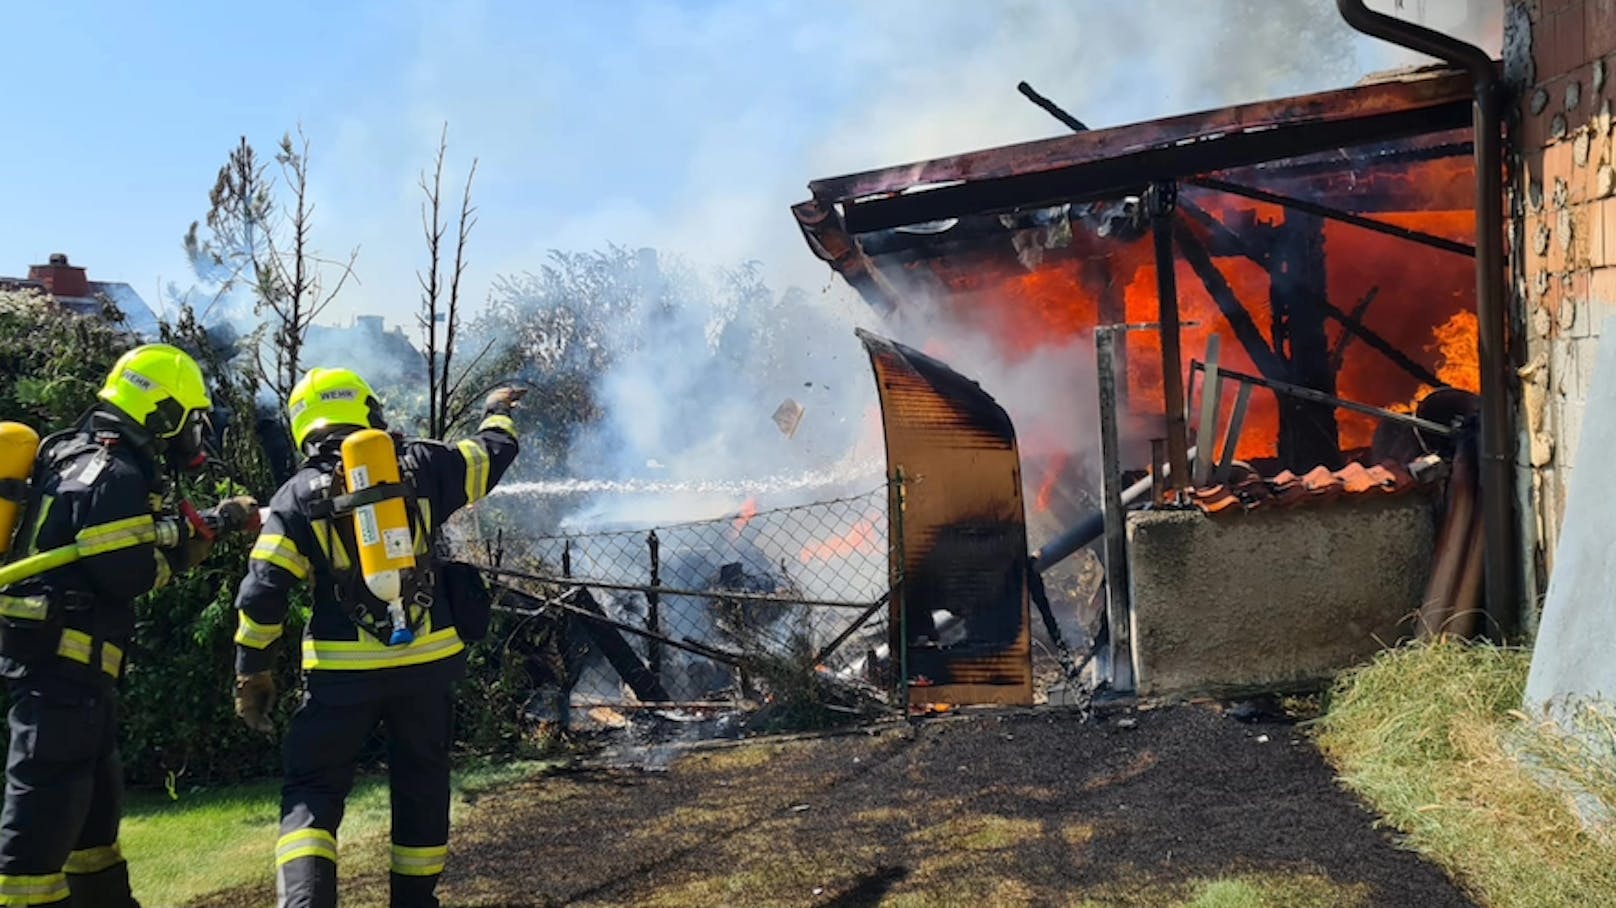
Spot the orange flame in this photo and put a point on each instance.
(864, 536)
(1052, 476)
(743, 517)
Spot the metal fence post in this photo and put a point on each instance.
(566, 559)
(1118, 611)
(895, 578)
(653, 605)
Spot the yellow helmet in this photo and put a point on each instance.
(327, 399)
(159, 387)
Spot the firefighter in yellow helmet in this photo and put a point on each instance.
(94, 536)
(359, 671)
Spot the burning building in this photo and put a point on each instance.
(1324, 244)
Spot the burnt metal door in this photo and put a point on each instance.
(959, 617)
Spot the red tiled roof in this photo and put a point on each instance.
(1317, 486)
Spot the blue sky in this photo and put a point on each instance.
(690, 126)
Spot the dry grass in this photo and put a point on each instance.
(1433, 738)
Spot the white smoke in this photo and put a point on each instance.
(751, 99)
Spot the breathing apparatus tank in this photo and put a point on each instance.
(382, 528)
(18, 447)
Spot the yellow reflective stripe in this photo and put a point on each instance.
(361, 655)
(79, 647)
(75, 645)
(94, 860)
(419, 861)
(111, 659)
(504, 423)
(28, 608)
(165, 573)
(423, 534)
(251, 633)
(306, 843)
(476, 457)
(115, 535)
(281, 552)
(331, 545)
(32, 889)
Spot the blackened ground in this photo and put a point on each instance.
(1025, 808)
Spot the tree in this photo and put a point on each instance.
(450, 397)
(252, 246)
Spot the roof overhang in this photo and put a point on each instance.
(1109, 163)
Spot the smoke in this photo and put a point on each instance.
(686, 404)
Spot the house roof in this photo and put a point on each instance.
(138, 317)
(1286, 144)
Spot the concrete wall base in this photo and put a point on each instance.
(1274, 598)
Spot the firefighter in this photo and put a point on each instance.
(93, 509)
(354, 679)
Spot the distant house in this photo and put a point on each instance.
(384, 357)
(72, 289)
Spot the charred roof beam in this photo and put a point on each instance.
(1111, 177)
(1335, 214)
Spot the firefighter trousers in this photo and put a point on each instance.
(64, 798)
(322, 749)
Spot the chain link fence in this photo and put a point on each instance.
(754, 609)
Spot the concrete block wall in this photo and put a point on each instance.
(1273, 598)
(1561, 58)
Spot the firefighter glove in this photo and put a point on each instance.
(255, 696)
(193, 549)
(503, 400)
(235, 515)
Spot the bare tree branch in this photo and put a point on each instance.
(433, 227)
(468, 220)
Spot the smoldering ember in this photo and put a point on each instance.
(1149, 462)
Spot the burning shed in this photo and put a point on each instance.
(1325, 243)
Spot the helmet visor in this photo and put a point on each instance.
(188, 449)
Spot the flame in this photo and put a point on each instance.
(864, 536)
(1458, 358)
(1052, 476)
(743, 517)
(1456, 342)
(1419, 295)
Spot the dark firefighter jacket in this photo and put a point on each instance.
(339, 658)
(102, 494)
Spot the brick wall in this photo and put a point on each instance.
(1561, 55)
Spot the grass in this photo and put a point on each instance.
(212, 841)
(1432, 737)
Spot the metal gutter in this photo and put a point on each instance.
(1503, 568)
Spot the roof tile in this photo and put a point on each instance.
(1319, 485)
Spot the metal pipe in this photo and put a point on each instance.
(1319, 397)
(1088, 529)
(1497, 468)
(1051, 108)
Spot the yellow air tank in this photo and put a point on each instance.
(18, 445)
(382, 529)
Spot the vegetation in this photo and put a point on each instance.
(224, 840)
(1432, 737)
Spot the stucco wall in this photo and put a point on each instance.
(1275, 597)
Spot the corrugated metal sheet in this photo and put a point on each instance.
(961, 530)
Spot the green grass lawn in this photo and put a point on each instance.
(211, 841)
(1432, 737)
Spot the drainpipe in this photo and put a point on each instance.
(1503, 569)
